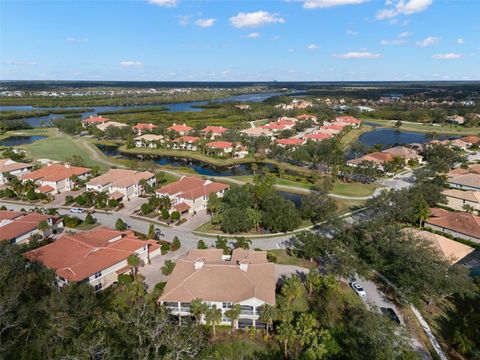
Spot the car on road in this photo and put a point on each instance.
(76, 210)
(358, 288)
(392, 315)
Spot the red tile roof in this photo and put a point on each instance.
(220, 144)
(56, 172)
(17, 224)
(95, 120)
(77, 257)
(318, 136)
(214, 129)
(180, 128)
(462, 222)
(348, 119)
(143, 126)
(186, 139)
(290, 141)
(189, 187)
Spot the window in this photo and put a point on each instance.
(98, 274)
(227, 305)
(98, 287)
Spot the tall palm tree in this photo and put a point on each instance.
(312, 280)
(134, 261)
(292, 289)
(267, 314)
(243, 243)
(286, 334)
(197, 309)
(423, 212)
(233, 314)
(213, 316)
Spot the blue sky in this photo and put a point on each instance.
(224, 40)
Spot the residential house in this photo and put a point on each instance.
(318, 136)
(471, 140)
(404, 153)
(120, 183)
(190, 193)
(304, 117)
(246, 278)
(243, 107)
(257, 131)
(180, 129)
(331, 129)
(354, 122)
(94, 120)
(470, 181)
(18, 227)
(459, 224)
(56, 178)
(451, 250)
(96, 257)
(105, 125)
(458, 199)
(456, 119)
(214, 131)
(9, 168)
(148, 140)
(377, 158)
(185, 143)
(142, 128)
(290, 142)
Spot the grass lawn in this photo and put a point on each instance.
(28, 132)
(441, 129)
(353, 189)
(84, 226)
(346, 205)
(285, 259)
(350, 137)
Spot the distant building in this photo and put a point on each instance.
(469, 181)
(214, 131)
(180, 129)
(18, 227)
(185, 143)
(246, 278)
(257, 131)
(290, 142)
(94, 120)
(142, 128)
(148, 140)
(459, 224)
(404, 153)
(10, 168)
(105, 125)
(96, 257)
(456, 119)
(458, 199)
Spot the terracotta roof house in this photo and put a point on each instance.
(257, 131)
(469, 181)
(185, 143)
(57, 176)
(459, 224)
(220, 147)
(404, 153)
(180, 129)
(97, 256)
(148, 140)
(330, 129)
(18, 227)
(246, 278)
(378, 158)
(451, 250)
(458, 199)
(317, 137)
(354, 122)
(125, 182)
(214, 131)
(192, 191)
(12, 168)
(471, 139)
(307, 117)
(103, 126)
(290, 142)
(142, 128)
(456, 119)
(94, 120)
(274, 127)
(472, 168)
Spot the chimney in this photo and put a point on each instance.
(244, 265)
(199, 263)
(67, 165)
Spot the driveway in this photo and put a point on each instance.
(289, 270)
(194, 221)
(153, 271)
(60, 198)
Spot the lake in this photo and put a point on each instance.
(172, 107)
(20, 140)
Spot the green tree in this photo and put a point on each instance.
(175, 215)
(168, 267)
(267, 315)
(89, 219)
(175, 244)
(43, 226)
(151, 232)
(312, 280)
(120, 225)
(242, 242)
(233, 314)
(201, 244)
(213, 316)
(198, 308)
(134, 262)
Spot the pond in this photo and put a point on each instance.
(191, 106)
(392, 137)
(199, 167)
(20, 140)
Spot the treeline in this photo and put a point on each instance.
(134, 110)
(8, 125)
(13, 115)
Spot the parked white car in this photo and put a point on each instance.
(76, 210)
(358, 289)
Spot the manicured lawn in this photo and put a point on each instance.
(441, 129)
(344, 205)
(285, 259)
(353, 189)
(28, 132)
(350, 137)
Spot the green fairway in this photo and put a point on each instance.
(353, 189)
(427, 128)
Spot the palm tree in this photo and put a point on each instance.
(243, 243)
(197, 309)
(233, 314)
(312, 280)
(267, 314)
(43, 226)
(134, 261)
(292, 289)
(213, 316)
(286, 334)
(423, 212)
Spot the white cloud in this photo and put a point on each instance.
(403, 7)
(128, 63)
(254, 35)
(322, 4)
(460, 41)
(448, 56)
(76, 40)
(313, 47)
(405, 34)
(353, 33)
(205, 23)
(164, 3)
(428, 41)
(393, 42)
(255, 19)
(19, 62)
(184, 20)
(358, 55)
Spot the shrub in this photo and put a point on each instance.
(80, 200)
(175, 216)
(175, 244)
(71, 222)
(69, 199)
(89, 219)
(165, 214)
(3, 208)
(159, 287)
(201, 244)
(272, 258)
(120, 225)
(112, 203)
(41, 196)
(164, 248)
(31, 195)
(9, 193)
(125, 279)
(168, 267)
(146, 209)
